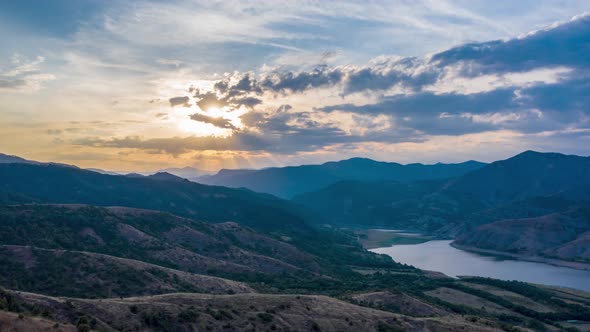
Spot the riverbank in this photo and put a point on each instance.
(378, 238)
(439, 255)
(534, 259)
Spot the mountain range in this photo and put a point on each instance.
(80, 249)
(287, 182)
(487, 208)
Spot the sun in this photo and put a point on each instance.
(215, 112)
(181, 118)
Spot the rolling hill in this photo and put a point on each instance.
(223, 249)
(164, 192)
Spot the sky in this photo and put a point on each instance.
(145, 85)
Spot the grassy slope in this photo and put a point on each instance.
(260, 312)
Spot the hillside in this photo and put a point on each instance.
(287, 182)
(419, 205)
(244, 312)
(501, 190)
(423, 206)
(9, 159)
(92, 275)
(224, 249)
(523, 176)
(58, 184)
(471, 304)
(563, 235)
(233, 259)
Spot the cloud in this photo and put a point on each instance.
(281, 132)
(24, 75)
(209, 100)
(217, 122)
(469, 89)
(535, 83)
(564, 44)
(529, 85)
(249, 102)
(179, 145)
(386, 72)
(298, 82)
(179, 101)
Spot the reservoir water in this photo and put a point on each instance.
(440, 256)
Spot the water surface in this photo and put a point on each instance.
(440, 256)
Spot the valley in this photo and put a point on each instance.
(297, 166)
(91, 251)
(442, 256)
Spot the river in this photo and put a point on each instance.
(441, 256)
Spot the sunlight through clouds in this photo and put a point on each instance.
(170, 81)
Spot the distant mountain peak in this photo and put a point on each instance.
(165, 176)
(6, 158)
(359, 159)
(290, 181)
(186, 172)
(536, 155)
(532, 154)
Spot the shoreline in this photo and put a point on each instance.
(372, 238)
(535, 259)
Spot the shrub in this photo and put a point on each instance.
(265, 317)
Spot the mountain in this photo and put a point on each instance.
(523, 176)
(165, 176)
(287, 182)
(564, 235)
(23, 183)
(85, 251)
(102, 171)
(57, 184)
(533, 204)
(419, 205)
(186, 172)
(530, 184)
(4, 158)
(9, 159)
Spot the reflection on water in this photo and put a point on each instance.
(440, 256)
